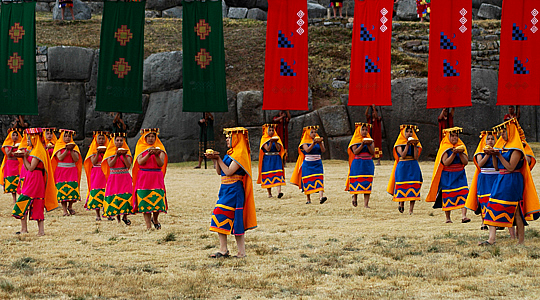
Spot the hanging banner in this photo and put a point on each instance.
(18, 85)
(121, 56)
(449, 72)
(204, 57)
(286, 61)
(519, 63)
(371, 69)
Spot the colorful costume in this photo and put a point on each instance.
(207, 128)
(271, 172)
(423, 8)
(336, 3)
(39, 191)
(483, 180)
(94, 174)
(235, 209)
(449, 187)
(308, 173)
(11, 166)
(376, 135)
(512, 190)
(49, 145)
(67, 173)
(361, 167)
(65, 3)
(22, 173)
(119, 188)
(148, 179)
(406, 178)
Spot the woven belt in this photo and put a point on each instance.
(66, 165)
(488, 171)
(151, 170)
(312, 157)
(119, 171)
(271, 153)
(231, 179)
(97, 166)
(505, 171)
(453, 168)
(364, 156)
(406, 159)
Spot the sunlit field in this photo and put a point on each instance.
(329, 251)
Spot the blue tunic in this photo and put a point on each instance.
(272, 168)
(312, 172)
(453, 187)
(408, 178)
(485, 182)
(361, 172)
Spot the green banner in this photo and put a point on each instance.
(204, 57)
(121, 57)
(18, 85)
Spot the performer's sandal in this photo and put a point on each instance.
(354, 202)
(280, 195)
(220, 255)
(485, 243)
(126, 221)
(323, 199)
(465, 220)
(484, 227)
(401, 209)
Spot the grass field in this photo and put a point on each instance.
(330, 251)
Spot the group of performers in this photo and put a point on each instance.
(45, 171)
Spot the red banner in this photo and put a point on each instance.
(370, 81)
(449, 74)
(286, 62)
(519, 65)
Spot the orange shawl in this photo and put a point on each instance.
(241, 154)
(296, 177)
(60, 144)
(401, 141)
(142, 147)
(264, 139)
(110, 152)
(444, 146)
(88, 165)
(38, 151)
(472, 199)
(9, 142)
(356, 139)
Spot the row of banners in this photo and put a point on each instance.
(286, 63)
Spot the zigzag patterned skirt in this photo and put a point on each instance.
(312, 176)
(453, 190)
(506, 197)
(228, 214)
(408, 181)
(272, 171)
(361, 176)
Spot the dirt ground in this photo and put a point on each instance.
(330, 251)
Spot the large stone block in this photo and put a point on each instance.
(254, 135)
(241, 3)
(99, 120)
(478, 3)
(162, 4)
(91, 85)
(69, 63)
(338, 147)
(249, 108)
(316, 11)
(43, 7)
(406, 10)
(335, 120)
(80, 10)
(237, 12)
(175, 12)
(178, 130)
(262, 4)
(95, 7)
(162, 72)
(61, 105)
(489, 12)
(256, 14)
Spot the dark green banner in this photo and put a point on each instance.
(18, 85)
(204, 57)
(121, 57)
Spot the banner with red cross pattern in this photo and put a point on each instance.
(286, 61)
(370, 81)
(18, 85)
(121, 56)
(519, 64)
(449, 72)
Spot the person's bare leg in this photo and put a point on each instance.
(335, 10)
(98, 216)
(379, 162)
(241, 244)
(279, 189)
(222, 243)
(411, 208)
(464, 215)
(200, 162)
(64, 208)
(492, 234)
(520, 227)
(14, 198)
(118, 218)
(63, 10)
(41, 227)
(269, 192)
(512, 232)
(24, 225)
(70, 207)
(148, 220)
(72, 15)
(366, 200)
(308, 198)
(155, 217)
(448, 219)
(341, 12)
(355, 200)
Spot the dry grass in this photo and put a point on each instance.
(330, 251)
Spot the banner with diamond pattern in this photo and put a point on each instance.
(449, 71)
(286, 61)
(18, 85)
(371, 71)
(121, 56)
(204, 57)
(519, 64)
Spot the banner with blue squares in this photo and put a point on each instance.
(285, 70)
(283, 42)
(448, 70)
(371, 67)
(519, 68)
(517, 34)
(446, 44)
(365, 35)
